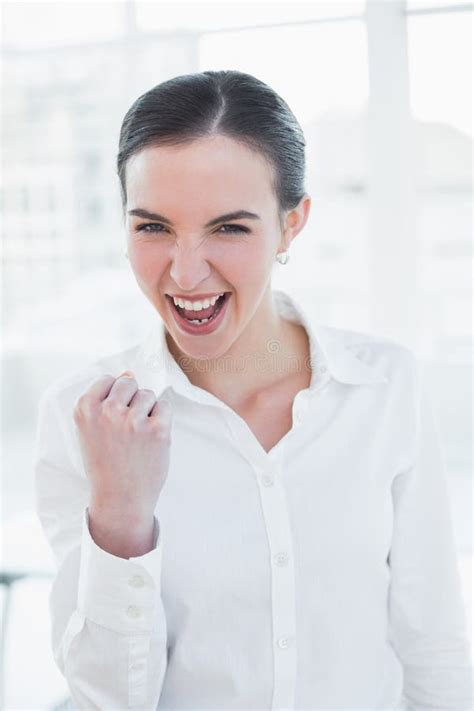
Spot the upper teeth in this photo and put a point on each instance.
(196, 305)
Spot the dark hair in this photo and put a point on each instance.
(225, 102)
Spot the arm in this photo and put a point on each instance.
(108, 624)
(426, 609)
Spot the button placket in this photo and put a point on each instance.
(276, 517)
(265, 477)
(134, 612)
(285, 642)
(137, 581)
(281, 559)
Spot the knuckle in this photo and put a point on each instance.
(153, 423)
(112, 407)
(134, 424)
(162, 433)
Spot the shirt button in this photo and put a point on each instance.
(138, 665)
(267, 480)
(134, 611)
(322, 369)
(285, 642)
(136, 581)
(281, 559)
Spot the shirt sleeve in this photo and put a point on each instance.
(427, 621)
(108, 627)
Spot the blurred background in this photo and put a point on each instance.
(383, 91)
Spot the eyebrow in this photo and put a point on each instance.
(236, 215)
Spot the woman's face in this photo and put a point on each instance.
(179, 253)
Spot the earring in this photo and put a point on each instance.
(283, 257)
(125, 254)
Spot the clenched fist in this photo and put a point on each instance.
(125, 436)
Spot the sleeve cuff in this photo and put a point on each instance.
(118, 593)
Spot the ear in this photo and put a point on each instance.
(295, 220)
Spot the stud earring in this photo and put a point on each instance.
(125, 254)
(283, 257)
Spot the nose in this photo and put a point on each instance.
(188, 267)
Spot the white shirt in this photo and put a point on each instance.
(319, 575)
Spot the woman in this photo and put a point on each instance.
(249, 509)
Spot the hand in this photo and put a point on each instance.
(125, 437)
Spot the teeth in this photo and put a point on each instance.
(196, 305)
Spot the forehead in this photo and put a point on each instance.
(216, 169)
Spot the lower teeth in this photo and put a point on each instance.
(204, 320)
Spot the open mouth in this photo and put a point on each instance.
(203, 320)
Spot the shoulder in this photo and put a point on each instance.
(388, 356)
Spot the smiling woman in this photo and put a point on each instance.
(209, 205)
(248, 510)
(195, 250)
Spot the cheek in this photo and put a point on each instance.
(148, 264)
(234, 263)
(247, 262)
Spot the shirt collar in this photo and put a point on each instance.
(331, 350)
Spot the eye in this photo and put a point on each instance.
(142, 228)
(235, 228)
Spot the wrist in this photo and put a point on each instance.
(123, 533)
(119, 513)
